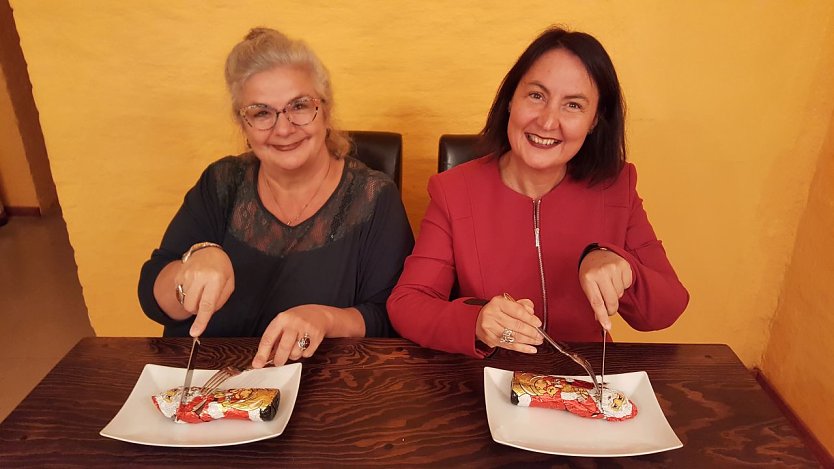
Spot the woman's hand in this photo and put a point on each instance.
(207, 280)
(286, 334)
(604, 277)
(503, 314)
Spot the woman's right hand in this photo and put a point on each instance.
(208, 280)
(502, 313)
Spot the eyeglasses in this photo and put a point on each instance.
(299, 112)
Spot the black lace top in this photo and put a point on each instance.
(350, 253)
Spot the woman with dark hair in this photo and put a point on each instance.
(553, 191)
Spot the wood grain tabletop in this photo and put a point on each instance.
(389, 402)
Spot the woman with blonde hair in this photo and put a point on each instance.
(291, 241)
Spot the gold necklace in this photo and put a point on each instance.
(278, 206)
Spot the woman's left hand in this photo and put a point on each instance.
(286, 334)
(604, 277)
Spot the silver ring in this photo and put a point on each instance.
(507, 337)
(304, 342)
(180, 294)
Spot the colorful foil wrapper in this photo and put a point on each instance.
(256, 404)
(573, 395)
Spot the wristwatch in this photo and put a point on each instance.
(197, 247)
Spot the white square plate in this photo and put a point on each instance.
(560, 432)
(139, 421)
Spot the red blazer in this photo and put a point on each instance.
(477, 241)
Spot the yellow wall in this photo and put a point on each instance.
(17, 189)
(798, 360)
(726, 118)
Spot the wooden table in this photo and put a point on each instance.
(386, 402)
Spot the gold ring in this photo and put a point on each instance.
(507, 337)
(304, 342)
(180, 294)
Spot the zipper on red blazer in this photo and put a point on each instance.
(537, 235)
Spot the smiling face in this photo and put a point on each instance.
(286, 146)
(552, 111)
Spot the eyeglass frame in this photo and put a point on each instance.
(242, 112)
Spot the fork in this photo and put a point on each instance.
(212, 384)
(579, 359)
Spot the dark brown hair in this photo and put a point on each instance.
(603, 154)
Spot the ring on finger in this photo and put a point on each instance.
(180, 294)
(507, 336)
(304, 342)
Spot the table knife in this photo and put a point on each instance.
(189, 373)
(602, 381)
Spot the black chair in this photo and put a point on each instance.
(456, 149)
(382, 151)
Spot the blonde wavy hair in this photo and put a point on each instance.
(263, 49)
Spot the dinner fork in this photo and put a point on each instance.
(213, 383)
(579, 359)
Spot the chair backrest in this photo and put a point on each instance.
(456, 149)
(382, 151)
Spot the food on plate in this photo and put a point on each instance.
(574, 395)
(256, 404)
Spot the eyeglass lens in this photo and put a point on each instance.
(302, 111)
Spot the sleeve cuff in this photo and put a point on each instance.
(482, 350)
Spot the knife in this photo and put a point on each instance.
(189, 373)
(602, 381)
